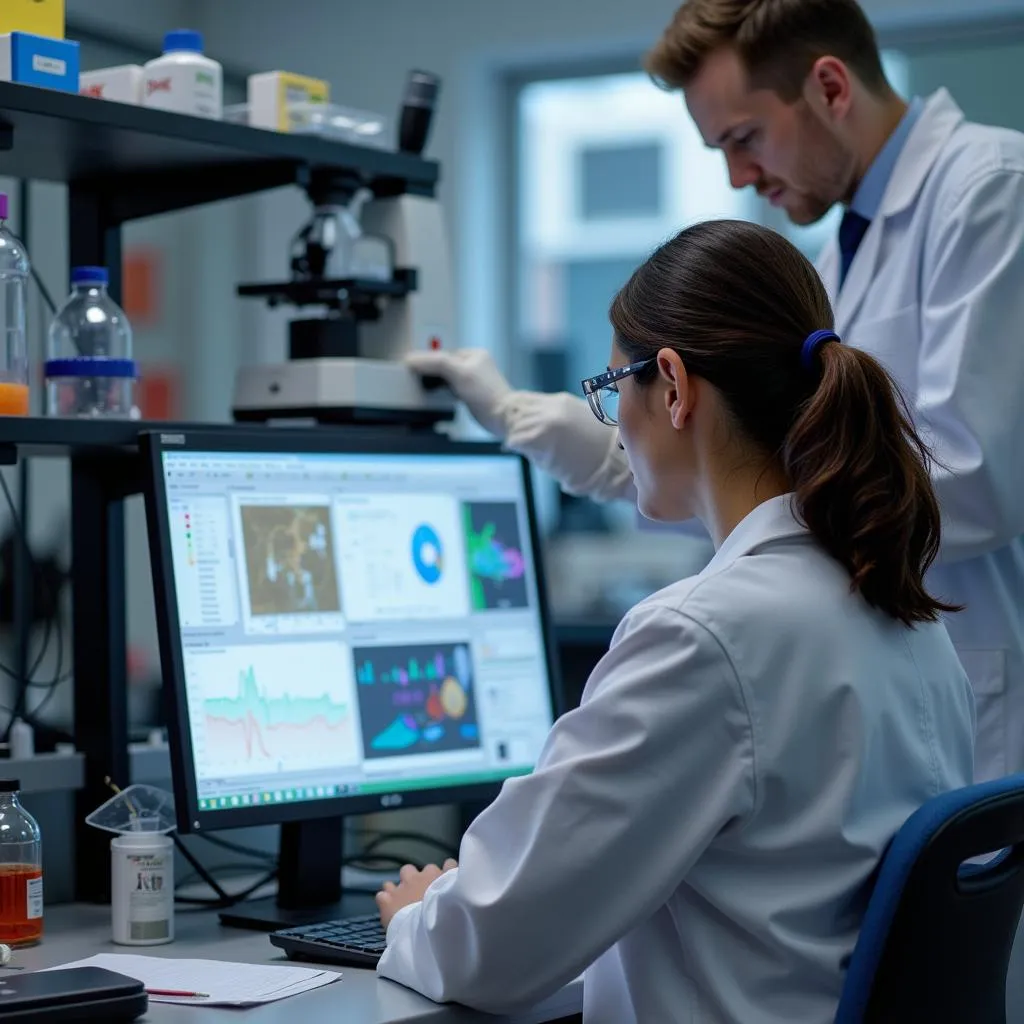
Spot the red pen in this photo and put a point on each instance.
(174, 992)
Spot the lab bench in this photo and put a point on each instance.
(75, 931)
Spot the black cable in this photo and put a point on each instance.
(21, 696)
(43, 290)
(229, 899)
(221, 872)
(410, 837)
(20, 709)
(200, 870)
(377, 862)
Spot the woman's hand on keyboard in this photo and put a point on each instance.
(412, 884)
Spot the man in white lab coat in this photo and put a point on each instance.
(927, 274)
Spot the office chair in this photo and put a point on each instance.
(937, 935)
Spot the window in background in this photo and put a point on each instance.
(609, 167)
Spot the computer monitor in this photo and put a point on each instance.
(349, 621)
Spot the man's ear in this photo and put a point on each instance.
(829, 86)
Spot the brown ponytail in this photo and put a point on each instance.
(737, 301)
(860, 473)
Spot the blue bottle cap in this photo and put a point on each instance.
(89, 275)
(91, 366)
(183, 39)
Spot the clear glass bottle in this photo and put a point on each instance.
(21, 870)
(89, 366)
(14, 271)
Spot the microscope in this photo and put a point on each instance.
(377, 272)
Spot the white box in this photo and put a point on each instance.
(271, 93)
(122, 84)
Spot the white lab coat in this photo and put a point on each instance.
(700, 833)
(936, 292)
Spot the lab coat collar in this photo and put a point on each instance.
(772, 520)
(867, 200)
(936, 123)
(929, 135)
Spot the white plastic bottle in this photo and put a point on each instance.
(183, 80)
(142, 889)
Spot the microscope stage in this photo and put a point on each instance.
(339, 390)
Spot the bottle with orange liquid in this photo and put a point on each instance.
(21, 871)
(14, 271)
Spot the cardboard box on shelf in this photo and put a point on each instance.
(122, 83)
(37, 17)
(271, 92)
(39, 60)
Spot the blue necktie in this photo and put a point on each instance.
(851, 233)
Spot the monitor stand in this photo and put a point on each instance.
(308, 882)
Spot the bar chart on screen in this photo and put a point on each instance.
(261, 706)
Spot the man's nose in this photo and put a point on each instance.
(742, 171)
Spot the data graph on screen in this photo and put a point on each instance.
(416, 699)
(494, 550)
(280, 707)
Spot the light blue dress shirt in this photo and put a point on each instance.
(868, 198)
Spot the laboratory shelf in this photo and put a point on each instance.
(100, 438)
(146, 162)
(121, 163)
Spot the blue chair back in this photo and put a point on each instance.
(937, 935)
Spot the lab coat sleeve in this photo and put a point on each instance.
(630, 788)
(971, 365)
(560, 435)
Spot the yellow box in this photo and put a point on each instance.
(38, 17)
(271, 93)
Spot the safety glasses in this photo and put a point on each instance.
(602, 391)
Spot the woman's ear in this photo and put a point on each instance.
(679, 392)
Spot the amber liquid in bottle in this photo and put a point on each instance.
(16, 927)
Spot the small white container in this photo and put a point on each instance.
(271, 95)
(122, 84)
(183, 80)
(142, 888)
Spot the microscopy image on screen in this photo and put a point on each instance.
(416, 699)
(289, 559)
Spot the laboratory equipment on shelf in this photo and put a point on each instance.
(89, 370)
(14, 271)
(21, 871)
(378, 274)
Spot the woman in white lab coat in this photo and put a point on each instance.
(700, 834)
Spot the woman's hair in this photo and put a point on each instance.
(736, 302)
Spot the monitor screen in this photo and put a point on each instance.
(364, 626)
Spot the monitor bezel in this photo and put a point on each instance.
(300, 441)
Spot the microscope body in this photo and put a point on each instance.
(396, 296)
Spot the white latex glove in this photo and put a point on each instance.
(472, 375)
(557, 432)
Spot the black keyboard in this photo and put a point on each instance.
(354, 941)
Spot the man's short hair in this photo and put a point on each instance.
(777, 41)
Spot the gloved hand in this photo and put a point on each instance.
(557, 432)
(474, 378)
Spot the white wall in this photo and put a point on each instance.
(145, 20)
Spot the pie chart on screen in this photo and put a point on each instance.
(427, 555)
